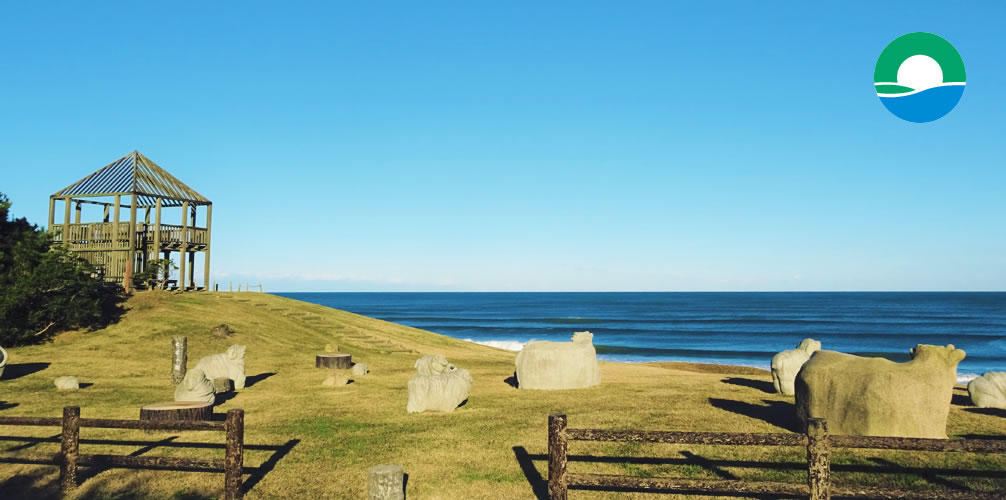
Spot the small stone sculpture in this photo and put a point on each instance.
(437, 385)
(360, 369)
(195, 387)
(336, 379)
(559, 365)
(222, 385)
(989, 390)
(386, 482)
(222, 331)
(878, 397)
(3, 360)
(67, 383)
(786, 364)
(230, 364)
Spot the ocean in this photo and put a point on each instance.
(743, 328)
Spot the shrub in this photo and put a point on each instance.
(45, 289)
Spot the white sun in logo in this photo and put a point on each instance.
(920, 72)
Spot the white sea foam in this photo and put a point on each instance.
(964, 378)
(510, 345)
(515, 345)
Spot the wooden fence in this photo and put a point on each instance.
(816, 440)
(69, 456)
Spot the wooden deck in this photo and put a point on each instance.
(105, 236)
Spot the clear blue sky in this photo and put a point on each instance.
(526, 145)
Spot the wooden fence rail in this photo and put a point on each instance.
(816, 440)
(69, 456)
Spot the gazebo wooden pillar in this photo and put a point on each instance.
(206, 256)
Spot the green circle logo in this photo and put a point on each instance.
(919, 77)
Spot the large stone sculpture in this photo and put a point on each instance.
(437, 385)
(230, 364)
(786, 364)
(559, 365)
(878, 397)
(989, 390)
(3, 360)
(195, 387)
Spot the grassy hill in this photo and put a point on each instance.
(309, 441)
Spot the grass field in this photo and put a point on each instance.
(309, 441)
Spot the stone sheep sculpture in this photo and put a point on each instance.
(3, 360)
(230, 364)
(195, 387)
(437, 385)
(878, 397)
(989, 390)
(550, 365)
(786, 364)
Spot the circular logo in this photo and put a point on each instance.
(919, 77)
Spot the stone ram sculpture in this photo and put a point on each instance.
(786, 364)
(195, 387)
(989, 390)
(230, 364)
(878, 397)
(550, 365)
(437, 385)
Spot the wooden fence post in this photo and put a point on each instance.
(69, 449)
(234, 460)
(818, 459)
(557, 456)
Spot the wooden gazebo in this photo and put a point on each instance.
(119, 248)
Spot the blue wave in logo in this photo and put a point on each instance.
(925, 106)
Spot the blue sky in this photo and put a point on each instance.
(526, 145)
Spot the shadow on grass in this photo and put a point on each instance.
(6, 406)
(717, 466)
(86, 473)
(996, 412)
(781, 414)
(223, 397)
(512, 381)
(929, 475)
(761, 385)
(539, 486)
(254, 379)
(961, 400)
(37, 483)
(25, 488)
(85, 385)
(18, 370)
(707, 464)
(256, 474)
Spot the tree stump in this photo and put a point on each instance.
(340, 361)
(177, 410)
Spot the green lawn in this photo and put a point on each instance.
(309, 441)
